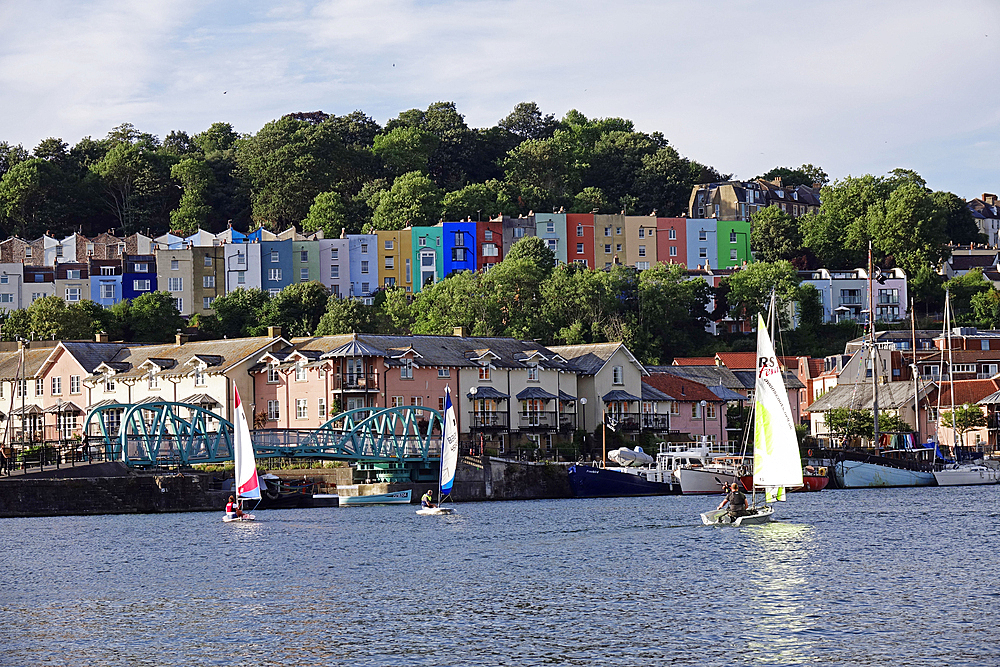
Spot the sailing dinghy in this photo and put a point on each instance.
(777, 464)
(247, 482)
(449, 458)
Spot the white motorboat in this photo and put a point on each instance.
(968, 474)
(394, 498)
(711, 477)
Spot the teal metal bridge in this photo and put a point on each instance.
(170, 433)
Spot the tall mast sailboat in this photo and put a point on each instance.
(777, 464)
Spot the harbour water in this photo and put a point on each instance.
(865, 577)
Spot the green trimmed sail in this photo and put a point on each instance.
(776, 460)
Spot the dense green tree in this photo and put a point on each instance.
(133, 180)
(590, 200)
(344, 316)
(50, 318)
(196, 179)
(31, 199)
(11, 155)
(962, 290)
(405, 149)
(397, 316)
(750, 290)
(286, 164)
(527, 122)
(672, 312)
(218, 137)
(413, 200)
(807, 174)
(963, 419)
(240, 311)
(774, 235)
(461, 300)
(550, 165)
(910, 228)
(986, 308)
(478, 201)
(297, 309)
(960, 226)
(328, 213)
(153, 318)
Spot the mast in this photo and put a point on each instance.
(874, 350)
(916, 380)
(951, 378)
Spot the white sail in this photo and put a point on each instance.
(776, 460)
(449, 445)
(247, 482)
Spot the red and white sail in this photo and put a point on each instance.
(247, 482)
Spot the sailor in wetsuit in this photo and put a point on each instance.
(736, 500)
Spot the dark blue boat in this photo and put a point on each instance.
(591, 482)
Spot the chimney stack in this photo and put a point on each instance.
(180, 338)
(460, 332)
(274, 332)
(101, 337)
(989, 198)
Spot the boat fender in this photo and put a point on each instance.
(271, 494)
(809, 452)
(822, 472)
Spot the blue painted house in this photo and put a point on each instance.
(139, 276)
(363, 252)
(459, 247)
(276, 266)
(105, 282)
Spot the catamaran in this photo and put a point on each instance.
(247, 481)
(449, 458)
(777, 464)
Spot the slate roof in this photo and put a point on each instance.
(619, 395)
(651, 393)
(488, 392)
(534, 392)
(891, 396)
(220, 354)
(707, 375)
(681, 389)
(589, 359)
(968, 262)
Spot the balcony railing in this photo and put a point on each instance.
(538, 421)
(356, 382)
(651, 422)
(488, 421)
(850, 301)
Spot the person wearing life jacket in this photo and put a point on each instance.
(427, 499)
(232, 509)
(736, 500)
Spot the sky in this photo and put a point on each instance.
(852, 87)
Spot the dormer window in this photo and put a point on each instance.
(532, 373)
(200, 379)
(272, 374)
(300, 372)
(152, 381)
(406, 370)
(109, 384)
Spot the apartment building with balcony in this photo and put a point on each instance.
(844, 294)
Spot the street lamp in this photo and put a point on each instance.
(704, 425)
(472, 427)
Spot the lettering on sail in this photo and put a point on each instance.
(766, 367)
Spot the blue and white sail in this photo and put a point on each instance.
(777, 464)
(449, 445)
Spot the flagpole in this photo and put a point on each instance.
(604, 438)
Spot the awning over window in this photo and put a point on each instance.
(533, 393)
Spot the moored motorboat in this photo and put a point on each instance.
(859, 471)
(812, 480)
(587, 481)
(394, 498)
(712, 477)
(968, 474)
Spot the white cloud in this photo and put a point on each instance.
(855, 87)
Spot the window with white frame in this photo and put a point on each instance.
(703, 253)
(397, 402)
(274, 275)
(364, 248)
(579, 230)
(300, 371)
(444, 372)
(39, 386)
(6, 297)
(618, 375)
(175, 284)
(57, 385)
(484, 373)
(487, 234)
(418, 401)
(4, 279)
(72, 294)
(321, 408)
(364, 266)
(390, 262)
(273, 292)
(200, 377)
(152, 381)
(107, 290)
(642, 251)
(302, 408)
(274, 257)
(406, 370)
(335, 271)
(675, 408)
(389, 244)
(141, 285)
(710, 410)
(490, 250)
(208, 282)
(107, 270)
(334, 253)
(579, 248)
(241, 277)
(179, 304)
(175, 265)
(532, 373)
(208, 260)
(74, 384)
(732, 254)
(109, 384)
(273, 410)
(303, 255)
(207, 301)
(241, 259)
(35, 296)
(303, 275)
(20, 388)
(272, 374)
